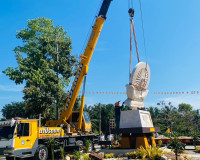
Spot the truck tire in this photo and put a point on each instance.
(41, 153)
(79, 143)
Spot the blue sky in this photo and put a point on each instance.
(172, 31)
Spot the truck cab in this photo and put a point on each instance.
(18, 137)
(21, 138)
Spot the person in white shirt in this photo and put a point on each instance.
(102, 137)
(110, 137)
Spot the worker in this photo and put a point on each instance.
(102, 137)
(110, 137)
(117, 112)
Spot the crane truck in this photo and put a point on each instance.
(26, 138)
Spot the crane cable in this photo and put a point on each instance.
(130, 69)
(131, 13)
(130, 4)
(144, 39)
(136, 47)
(132, 33)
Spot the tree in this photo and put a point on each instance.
(184, 107)
(183, 120)
(15, 109)
(176, 145)
(45, 65)
(107, 112)
(167, 114)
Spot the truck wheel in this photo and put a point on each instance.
(41, 153)
(81, 148)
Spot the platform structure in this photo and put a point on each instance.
(136, 129)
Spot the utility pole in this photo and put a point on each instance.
(99, 119)
(57, 59)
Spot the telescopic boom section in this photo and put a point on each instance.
(85, 60)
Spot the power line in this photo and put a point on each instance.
(144, 39)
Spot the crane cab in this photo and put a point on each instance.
(86, 122)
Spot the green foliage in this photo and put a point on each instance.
(107, 112)
(195, 139)
(176, 145)
(184, 107)
(77, 104)
(131, 155)
(197, 149)
(86, 157)
(159, 143)
(51, 143)
(45, 65)
(96, 132)
(183, 120)
(153, 153)
(62, 152)
(15, 109)
(120, 156)
(77, 155)
(110, 155)
(87, 145)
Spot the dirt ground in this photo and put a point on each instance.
(192, 155)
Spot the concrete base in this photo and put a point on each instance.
(135, 119)
(137, 141)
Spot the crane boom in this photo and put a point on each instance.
(85, 60)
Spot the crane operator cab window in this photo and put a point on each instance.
(75, 117)
(23, 130)
(86, 117)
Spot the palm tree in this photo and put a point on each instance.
(169, 113)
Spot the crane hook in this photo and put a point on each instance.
(131, 12)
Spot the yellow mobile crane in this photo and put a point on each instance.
(75, 119)
(25, 138)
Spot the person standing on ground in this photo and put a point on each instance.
(102, 137)
(117, 112)
(110, 137)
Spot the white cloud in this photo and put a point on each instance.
(11, 88)
(90, 101)
(193, 100)
(150, 104)
(5, 98)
